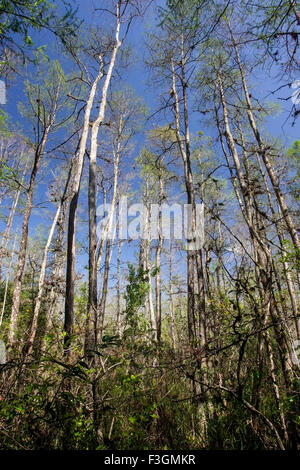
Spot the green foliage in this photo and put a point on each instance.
(5, 171)
(51, 416)
(290, 255)
(294, 150)
(294, 153)
(19, 17)
(183, 12)
(4, 124)
(135, 295)
(48, 103)
(218, 390)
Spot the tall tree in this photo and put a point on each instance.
(47, 101)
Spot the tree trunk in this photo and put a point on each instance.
(38, 300)
(263, 151)
(70, 270)
(158, 263)
(92, 310)
(24, 239)
(172, 308)
(6, 234)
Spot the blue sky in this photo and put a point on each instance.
(137, 77)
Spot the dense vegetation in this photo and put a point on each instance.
(151, 342)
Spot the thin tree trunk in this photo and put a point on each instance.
(263, 151)
(57, 273)
(24, 239)
(70, 270)
(172, 309)
(158, 264)
(119, 288)
(191, 202)
(92, 310)
(38, 300)
(262, 255)
(148, 264)
(286, 266)
(6, 234)
(7, 279)
(102, 305)
(109, 232)
(294, 7)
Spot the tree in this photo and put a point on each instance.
(19, 18)
(47, 102)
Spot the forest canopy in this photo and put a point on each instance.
(149, 225)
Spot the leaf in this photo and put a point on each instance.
(83, 364)
(28, 40)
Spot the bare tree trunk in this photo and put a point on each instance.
(262, 255)
(92, 300)
(102, 305)
(294, 7)
(263, 151)
(38, 300)
(191, 201)
(286, 266)
(119, 329)
(70, 270)
(148, 264)
(6, 234)
(7, 279)
(24, 239)
(276, 388)
(158, 263)
(57, 273)
(172, 309)
(109, 232)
